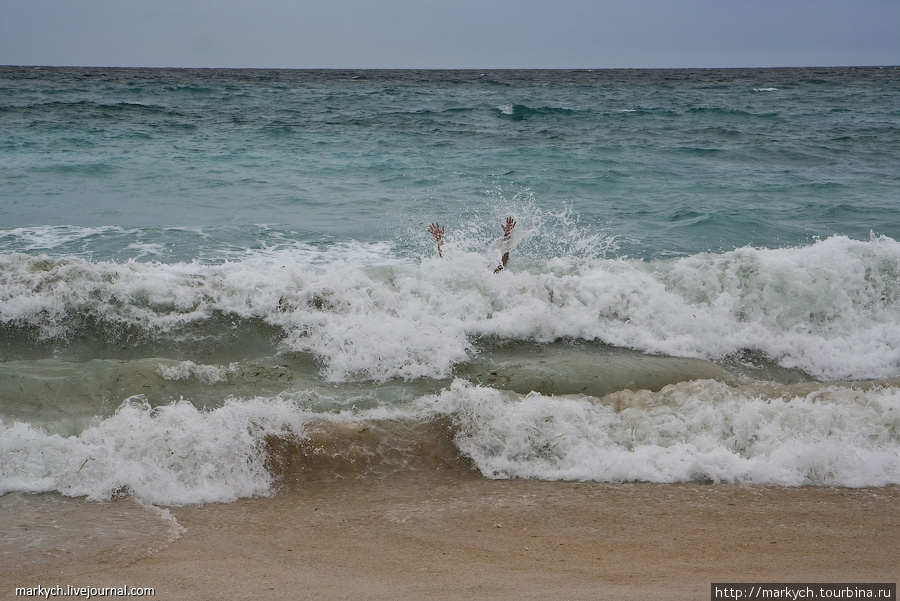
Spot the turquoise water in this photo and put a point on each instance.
(668, 162)
(703, 284)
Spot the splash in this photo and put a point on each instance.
(696, 431)
(378, 311)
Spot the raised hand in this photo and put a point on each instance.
(438, 232)
(507, 236)
(508, 227)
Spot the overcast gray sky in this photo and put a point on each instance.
(450, 33)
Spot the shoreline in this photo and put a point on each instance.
(418, 536)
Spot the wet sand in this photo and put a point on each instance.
(416, 537)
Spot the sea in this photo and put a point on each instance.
(216, 284)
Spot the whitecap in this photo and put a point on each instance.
(688, 432)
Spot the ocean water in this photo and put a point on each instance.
(217, 283)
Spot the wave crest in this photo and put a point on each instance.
(831, 309)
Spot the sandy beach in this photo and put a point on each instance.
(417, 537)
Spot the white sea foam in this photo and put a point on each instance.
(694, 431)
(173, 454)
(147, 250)
(183, 370)
(831, 308)
(689, 432)
(52, 236)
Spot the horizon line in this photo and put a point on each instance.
(575, 69)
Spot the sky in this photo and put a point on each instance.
(450, 33)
